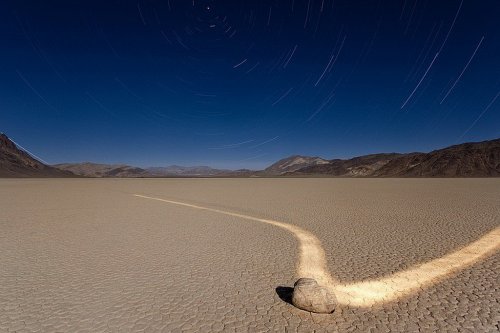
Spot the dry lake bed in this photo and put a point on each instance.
(213, 255)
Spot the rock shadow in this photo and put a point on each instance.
(285, 293)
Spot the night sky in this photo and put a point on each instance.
(240, 84)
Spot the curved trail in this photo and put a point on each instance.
(312, 263)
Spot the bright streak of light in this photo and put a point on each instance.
(241, 63)
(419, 82)
(465, 68)
(481, 115)
(451, 27)
(30, 153)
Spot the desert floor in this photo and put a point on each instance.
(86, 255)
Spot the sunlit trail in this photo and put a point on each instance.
(312, 263)
(312, 259)
(405, 283)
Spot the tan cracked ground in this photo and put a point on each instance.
(312, 264)
(85, 255)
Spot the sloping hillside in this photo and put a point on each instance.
(15, 162)
(354, 167)
(293, 163)
(481, 159)
(478, 159)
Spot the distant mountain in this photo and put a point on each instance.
(176, 170)
(88, 169)
(479, 159)
(294, 163)
(15, 162)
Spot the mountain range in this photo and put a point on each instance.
(88, 169)
(176, 170)
(477, 159)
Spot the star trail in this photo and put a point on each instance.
(240, 84)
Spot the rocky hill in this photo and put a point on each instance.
(15, 162)
(294, 163)
(478, 159)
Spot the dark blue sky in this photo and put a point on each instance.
(243, 83)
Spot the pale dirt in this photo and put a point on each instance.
(86, 255)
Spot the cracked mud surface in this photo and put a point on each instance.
(86, 256)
